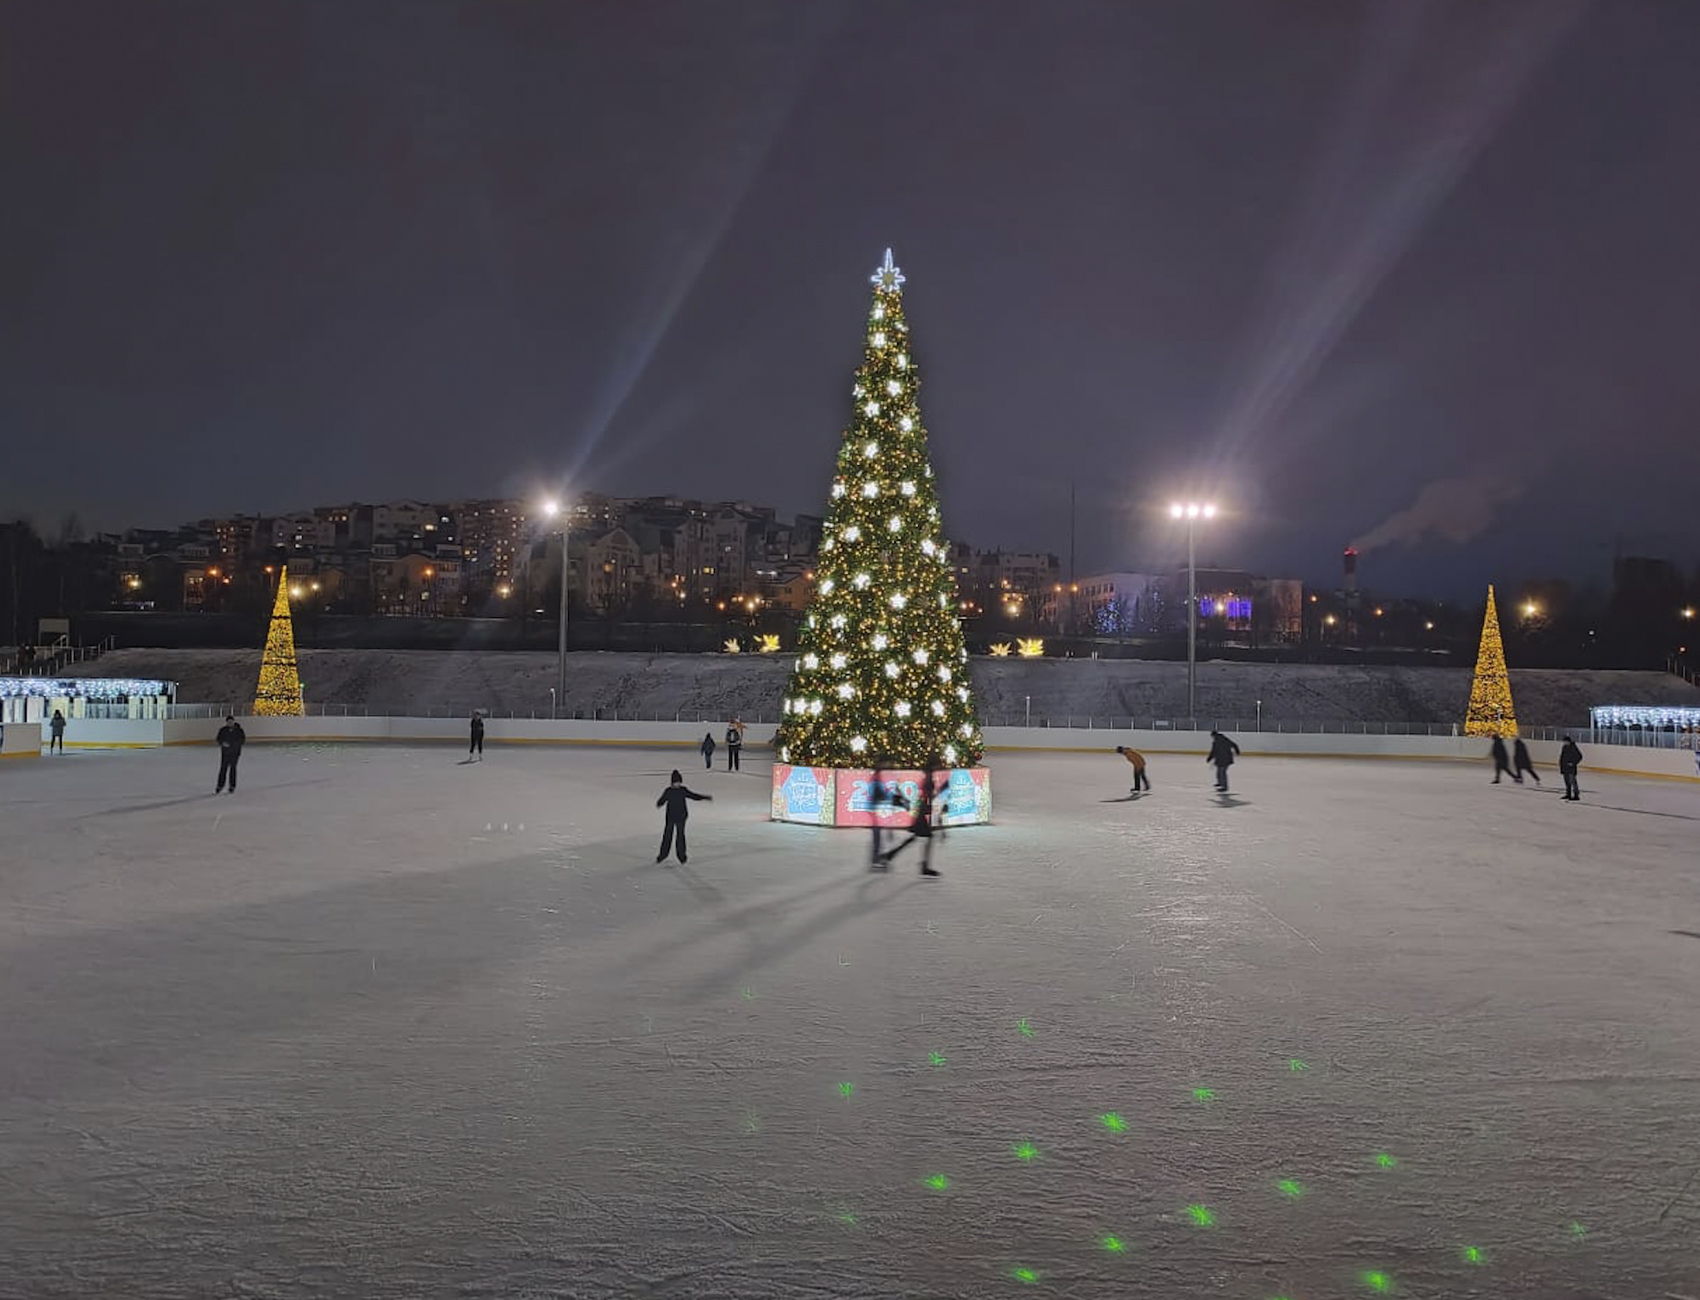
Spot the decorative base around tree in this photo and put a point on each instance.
(840, 796)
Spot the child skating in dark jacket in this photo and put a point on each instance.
(673, 798)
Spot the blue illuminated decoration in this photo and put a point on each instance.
(82, 688)
(1657, 717)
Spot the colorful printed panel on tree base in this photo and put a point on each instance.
(825, 796)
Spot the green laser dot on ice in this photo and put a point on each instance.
(1114, 1122)
(938, 1182)
(1204, 1094)
(1472, 1254)
(1201, 1215)
(935, 1058)
(1025, 1029)
(1577, 1230)
(1295, 1065)
(1376, 1280)
(1114, 1244)
(1024, 1274)
(1025, 1151)
(1290, 1187)
(1385, 1161)
(846, 1089)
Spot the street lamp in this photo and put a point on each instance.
(1192, 512)
(551, 509)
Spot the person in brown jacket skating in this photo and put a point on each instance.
(1140, 780)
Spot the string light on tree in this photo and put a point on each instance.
(885, 593)
(1491, 712)
(278, 694)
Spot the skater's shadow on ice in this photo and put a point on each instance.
(1126, 798)
(1231, 801)
(764, 951)
(1692, 934)
(1648, 812)
(741, 919)
(704, 891)
(149, 807)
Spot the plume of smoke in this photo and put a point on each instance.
(1452, 509)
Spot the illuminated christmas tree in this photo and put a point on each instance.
(1491, 711)
(883, 671)
(279, 691)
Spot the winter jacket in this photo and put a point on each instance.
(58, 726)
(707, 746)
(477, 728)
(1569, 758)
(674, 797)
(231, 738)
(1222, 751)
(1520, 756)
(1500, 757)
(734, 736)
(1136, 758)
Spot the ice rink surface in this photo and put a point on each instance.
(387, 1025)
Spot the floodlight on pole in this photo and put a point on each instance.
(1192, 512)
(552, 509)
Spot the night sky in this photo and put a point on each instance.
(1319, 260)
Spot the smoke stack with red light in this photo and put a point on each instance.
(1351, 564)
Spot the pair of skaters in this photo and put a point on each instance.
(678, 797)
(1223, 752)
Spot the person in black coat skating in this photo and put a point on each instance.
(1521, 762)
(231, 738)
(921, 828)
(1569, 760)
(707, 749)
(1222, 754)
(674, 799)
(477, 748)
(1502, 762)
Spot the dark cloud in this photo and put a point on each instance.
(1307, 258)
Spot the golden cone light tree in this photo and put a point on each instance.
(882, 673)
(1491, 712)
(279, 693)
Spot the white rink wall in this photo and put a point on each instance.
(21, 740)
(1668, 763)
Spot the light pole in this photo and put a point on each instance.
(552, 508)
(1192, 512)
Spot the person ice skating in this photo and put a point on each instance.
(879, 799)
(231, 738)
(734, 744)
(921, 827)
(707, 748)
(1521, 762)
(1569, 760)
(674, 798)
(476, 749)
(56, 730)
(1140, 780)
(1502, 762)
(1222, 754)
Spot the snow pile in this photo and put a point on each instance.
(715, 686)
